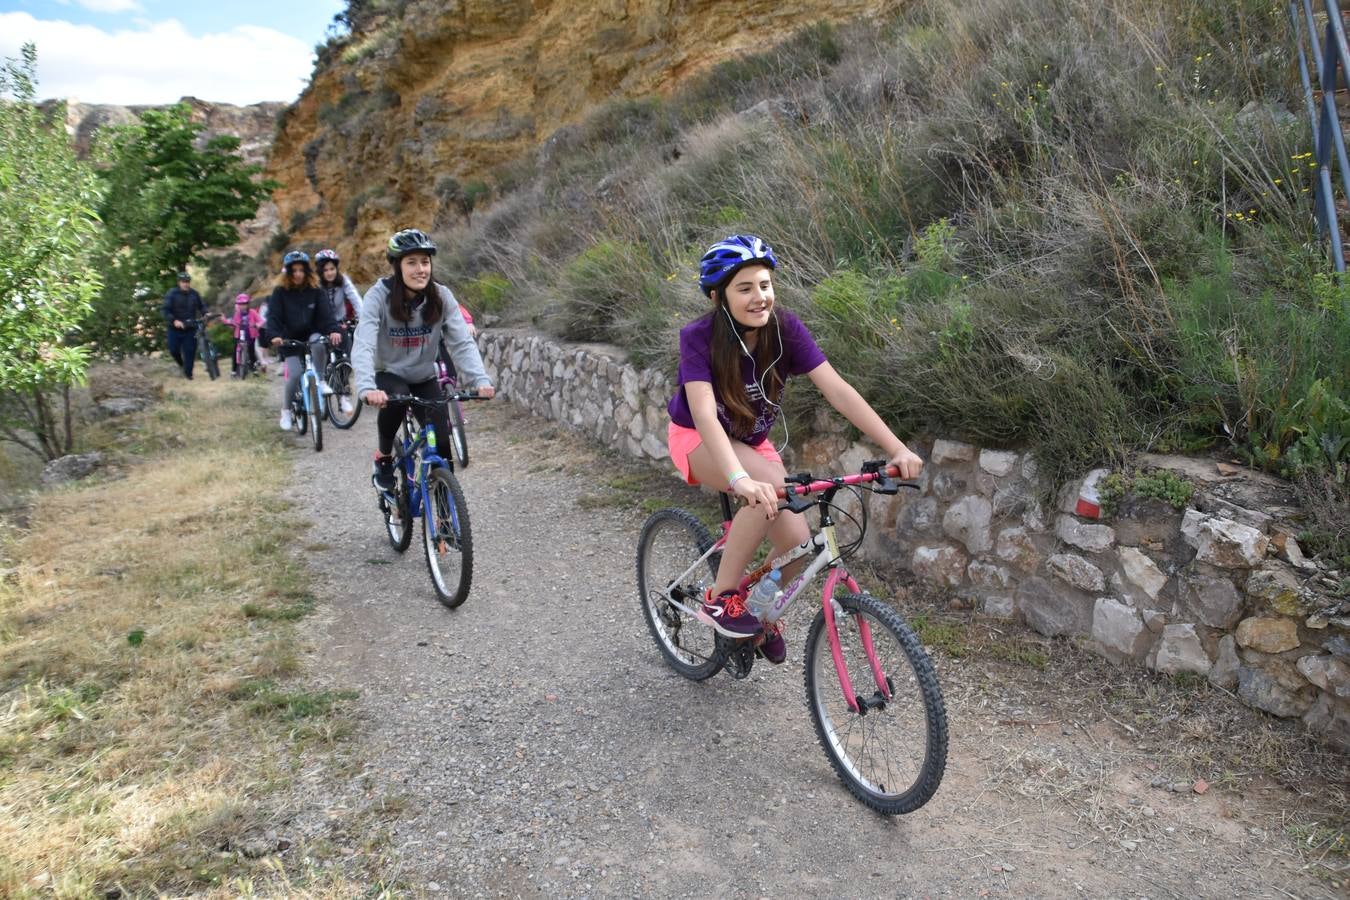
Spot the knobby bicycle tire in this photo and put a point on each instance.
(459, 438)
(445, 509)
(400, 536)
(671, 541)
(874, 751)
(315, 420)
(212, 362)
(340, 380)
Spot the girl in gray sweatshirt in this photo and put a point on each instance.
(404, 319)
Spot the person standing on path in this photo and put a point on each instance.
(734, 363)
(181, 305)
(404, 319)
(298, 311)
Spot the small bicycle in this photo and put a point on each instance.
(871, 689)
(338, 375)
(425, 487)
(245, 354)
(308, 406)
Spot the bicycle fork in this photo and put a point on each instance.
(832, 610)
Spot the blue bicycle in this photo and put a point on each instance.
(308, 406)
(425, 487)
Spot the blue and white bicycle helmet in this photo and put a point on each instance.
(729, 254)
(295, 256)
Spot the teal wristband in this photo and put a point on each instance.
(736, 476)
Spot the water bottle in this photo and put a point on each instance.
(762, 595)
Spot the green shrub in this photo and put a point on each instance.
(221, 337)
(601, 287)
(489, 292)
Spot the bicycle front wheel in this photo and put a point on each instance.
(671, 542)
(212, 360)
(447, 538)
(343, 384)
(312, 410)
(459, 439)
(398, 517)
(891, 753)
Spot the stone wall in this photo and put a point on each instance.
(1219, 589)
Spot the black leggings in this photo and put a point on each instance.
(391, 415)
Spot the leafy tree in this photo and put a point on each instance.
(169, 196)
(48, 199)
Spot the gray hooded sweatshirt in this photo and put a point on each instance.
(408, 350)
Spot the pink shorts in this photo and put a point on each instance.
(683, 441)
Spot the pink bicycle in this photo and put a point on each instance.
(871, 689)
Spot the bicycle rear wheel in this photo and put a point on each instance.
(315, 420)
(341, 381)
(672, 540)
(447, 538)
(891, 754)
(398, 517)
(459, 438)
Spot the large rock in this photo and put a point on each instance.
(942, 565)
(1092, 538)
(1211, 596)
(1268, 635)
(1263, 691)
(1142, 571)
(1051, 610)
(1279, 588)
(988, 575)
(1327, 672)
(918, 515)
(951, 451)
(71, 468)
(1223, 542)
(1077, 571)
(1224, 673)
(998, 463)
(1015, 545)
(1330, 719)
(967, 521)
(1118, 629)
(1180, 650)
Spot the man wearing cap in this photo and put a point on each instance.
(182, 304)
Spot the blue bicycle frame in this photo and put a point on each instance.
(418, 456)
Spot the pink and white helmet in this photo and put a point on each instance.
(324, 256)
(242, 300)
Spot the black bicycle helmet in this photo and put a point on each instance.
(409, 240)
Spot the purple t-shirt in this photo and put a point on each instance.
(800, 355)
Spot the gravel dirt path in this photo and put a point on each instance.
(533, 742)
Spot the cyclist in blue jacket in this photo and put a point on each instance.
(181, 305)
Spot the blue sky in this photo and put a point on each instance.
(156, 51)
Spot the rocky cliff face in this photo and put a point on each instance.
(253, 125)
(457, 88)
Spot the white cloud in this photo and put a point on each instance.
(159, 62)
(111, 6)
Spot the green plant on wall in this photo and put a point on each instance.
(1160, 484)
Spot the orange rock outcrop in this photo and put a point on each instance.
(457, 88)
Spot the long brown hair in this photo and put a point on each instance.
(401, 308)
(284, 279)
(726, 353)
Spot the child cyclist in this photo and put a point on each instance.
(298, 311)
(734, 362)
(247, 323)
(404, 319)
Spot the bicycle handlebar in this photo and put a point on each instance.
(420, 401)
(873, 470)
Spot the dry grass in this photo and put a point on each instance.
(146, 640)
